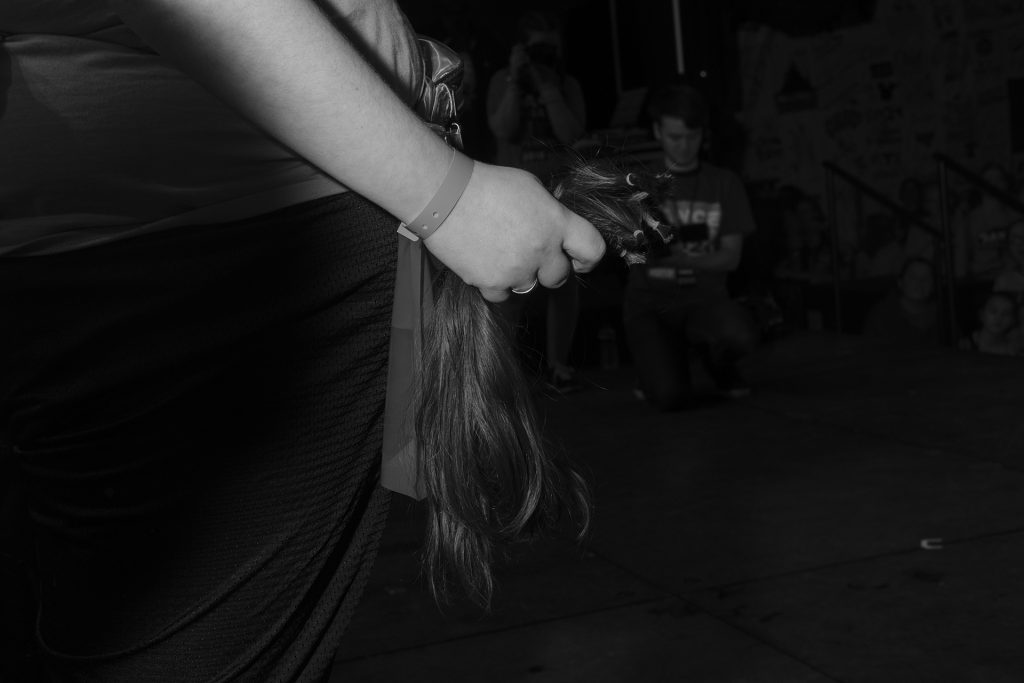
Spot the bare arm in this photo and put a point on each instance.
(503, 105)
(562, 99)
(566, 110)
(286, 68)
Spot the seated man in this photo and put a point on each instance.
(909, 314)
(678, 300)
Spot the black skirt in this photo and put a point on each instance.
(193, 425)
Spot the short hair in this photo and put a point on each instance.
(539, 21)
(679, 101)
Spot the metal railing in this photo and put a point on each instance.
(945, 165)
(942, 236)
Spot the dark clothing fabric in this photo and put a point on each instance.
(663, 331)
(194, 418)
(888, 319)
(702, 207)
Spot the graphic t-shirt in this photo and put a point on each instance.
(702, 206)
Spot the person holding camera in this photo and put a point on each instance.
(536, 111)
(678, 300)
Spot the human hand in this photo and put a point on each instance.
(508, 231)
(518, 60)
(544, 78)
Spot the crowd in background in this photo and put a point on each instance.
(895, 257)
(986, 256)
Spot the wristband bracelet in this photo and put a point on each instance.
(444, 200)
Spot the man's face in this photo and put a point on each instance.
(544, 48)
(680, 143)
(917, 282)
(997, 316)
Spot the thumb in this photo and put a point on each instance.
(583, 243)
(495, 296)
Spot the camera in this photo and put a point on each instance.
(543, 54)
(538, 54)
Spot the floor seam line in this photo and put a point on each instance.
(504, 629)
(681, 597)
(884, 437)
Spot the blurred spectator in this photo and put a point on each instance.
(997, 332)
(908, 314)
(986, 226)
(1011, 279)
(807, 250)
(678, 301)
(535, 110)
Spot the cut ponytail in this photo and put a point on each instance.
(488, 476)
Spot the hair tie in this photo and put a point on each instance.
(664, 238)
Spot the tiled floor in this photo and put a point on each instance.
(778, 539)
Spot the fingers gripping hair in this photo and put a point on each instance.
(489, 477)
(623, 206)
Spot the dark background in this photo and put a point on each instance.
(647, 50)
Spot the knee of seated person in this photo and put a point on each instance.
(741, 335)
(746, 339)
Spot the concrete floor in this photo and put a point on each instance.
(777, 539)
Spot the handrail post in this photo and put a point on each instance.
(946, 246)
(833, 227)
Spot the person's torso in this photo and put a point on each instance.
(536, 148)
(699, 208)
